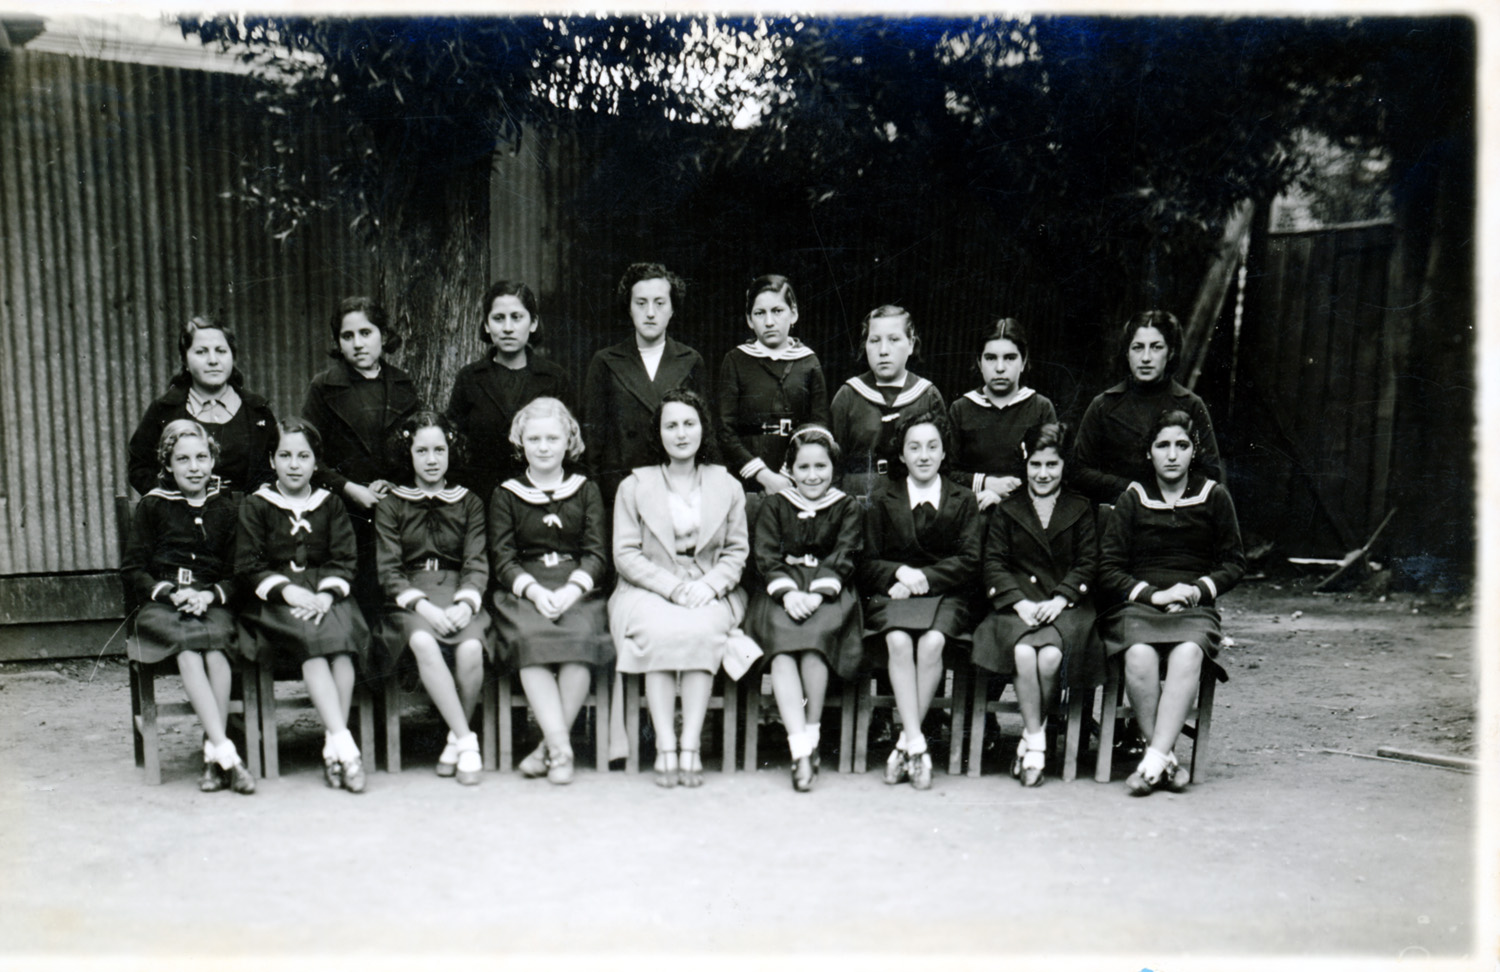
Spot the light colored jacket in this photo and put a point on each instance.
(645, 542)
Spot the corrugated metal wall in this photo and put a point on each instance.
(112, 233)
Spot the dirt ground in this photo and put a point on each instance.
(1282, 851)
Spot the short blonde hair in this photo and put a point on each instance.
(545, 407)
(181, 429)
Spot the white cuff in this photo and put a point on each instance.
(223, 598)
(780, 584)
(160, 586)
(334, 584)
(978, 486)
(264, 588)
(826, 585)
(1140, 586)
(470, 597)
(1213, 590)
(409, 597)
(582, 579)
(522, 582)
(752, 468)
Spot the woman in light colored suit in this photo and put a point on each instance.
(680, 544)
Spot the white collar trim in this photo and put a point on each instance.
(908, 395)
(978, 397)
(792, 350)
(280, 500)
(917, 495)
(540, 497)
(175, 495)
(806, 505)
(1201, 496)
(450, 495)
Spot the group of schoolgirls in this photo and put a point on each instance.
(377, 518)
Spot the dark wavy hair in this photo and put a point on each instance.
(770, 283)
(637, 272)
(509, 288)
(894, 467)
(708, 449)
(398, 443)
(302, 427)
(1007, 329)
(189, 331)
(1048, 435)
(1165, 322)
(374, 312)
(1166, 420)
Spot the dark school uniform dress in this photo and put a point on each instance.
(246, 441)
(430, 546)
(550, 537)
(865, 416)
(1150, 544)
(486, 397)
(1111, 450)
(943, 543)
(807, 546)
(987, 437)
(175, 545)
(356, 416)
(619, 404)
(1025, 561)
(763, 396)
(309, 543)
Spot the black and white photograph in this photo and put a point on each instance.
(465, 474)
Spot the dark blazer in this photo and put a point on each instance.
(1024, 561)
(948, 554)
(481, 411)
(345, 454)
(1111, 450)
(243, 472)
(620, 400)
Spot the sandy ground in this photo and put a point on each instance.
(1282, 851)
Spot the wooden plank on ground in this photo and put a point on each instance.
(46, 598)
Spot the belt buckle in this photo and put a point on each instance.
(552, 558)
(785, 426)
(880, 466)
(431, 564)
(184, 577)
(295, 567)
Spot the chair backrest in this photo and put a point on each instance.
(124, 515)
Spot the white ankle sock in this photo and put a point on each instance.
(917, 748)
(901, 742)
(469, 743)
(343, 746)
(208, 750)
(1035, 740)
(814, 735)
(330, 751)
(1152, 764)
(800, 743)
(226, 755)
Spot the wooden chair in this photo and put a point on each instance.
(1116, 707)
(504, 695)
(146, 713)
(393, 702)
(954, 700)
(981, 705)
(363, 709)
(845, 702)
(726, 698)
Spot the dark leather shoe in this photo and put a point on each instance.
(333, 773)
(212, 780)
(354, 775)
(240, 778)
(802, 774)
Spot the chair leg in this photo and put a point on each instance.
(1114, 675)
(978, 717)
(846, 727)
(730, 762)
(150, 742)
(507, 723)
(268, 744)
(392, 706)
(632, 721)
(958, 707)
(135, 714)
(752, 725)
(1207, 686)
(863, 711)
(1075, 729)
(489, 703)
(603, 688)
(250, 703)
(366, 704)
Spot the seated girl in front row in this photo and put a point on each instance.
(180, 564)
(807, 618)
(295, 552)
(548, 547)
(921, 556)
(429, 553)
(1171, 549)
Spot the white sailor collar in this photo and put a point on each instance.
(914, 388)
(806, 505)
(792, 350)
(450, 495)
(281, 501)
(1151, 499)
(978, 397)
(540, 497)
(931, 493)
(175, 495)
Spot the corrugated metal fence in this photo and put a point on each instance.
(113, 233)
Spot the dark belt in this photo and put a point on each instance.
(859, 465)
(433, 564)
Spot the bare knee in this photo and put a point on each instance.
(930, 648)
(1141, 660)
(1185, 663)
(1049, 660)
(898, 644)
(784, 665)
(425, 649)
